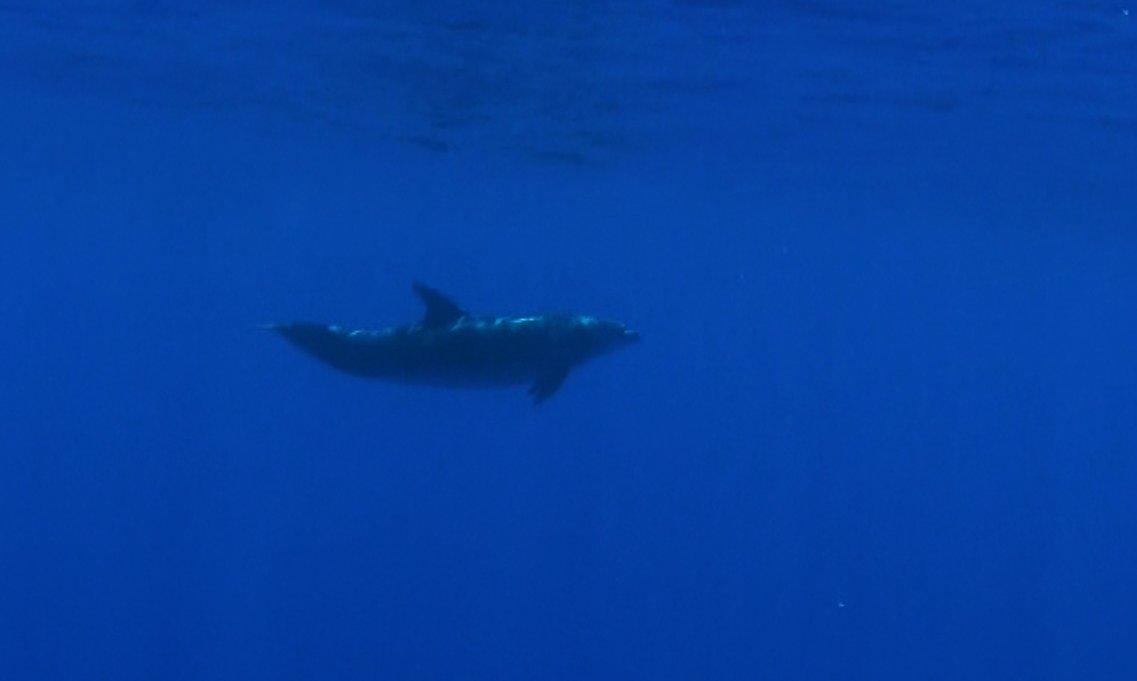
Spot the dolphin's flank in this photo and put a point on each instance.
(450, 347)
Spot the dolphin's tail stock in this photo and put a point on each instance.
(332, 345)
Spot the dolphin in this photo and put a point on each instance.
(450, 347)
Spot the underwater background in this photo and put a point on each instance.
(882, 423)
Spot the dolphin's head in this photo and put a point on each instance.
(602, 336)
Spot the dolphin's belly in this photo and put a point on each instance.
(469, 378)
(471, 362)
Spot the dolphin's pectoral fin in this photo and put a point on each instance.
(440, 309)
(544, 387)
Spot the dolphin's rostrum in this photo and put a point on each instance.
(452, 348)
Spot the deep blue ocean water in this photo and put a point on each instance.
(882, 423)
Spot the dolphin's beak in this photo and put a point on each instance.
(631, 336)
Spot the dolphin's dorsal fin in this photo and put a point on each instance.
(440, 310)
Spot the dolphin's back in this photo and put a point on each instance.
(482, 351)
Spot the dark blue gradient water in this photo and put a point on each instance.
(881, 424)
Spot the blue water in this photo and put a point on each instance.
(882, 423)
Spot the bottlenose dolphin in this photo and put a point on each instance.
(453, 348)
